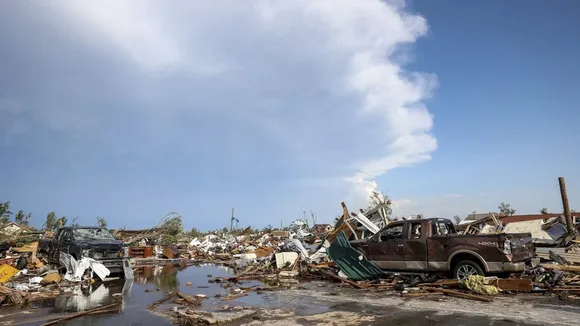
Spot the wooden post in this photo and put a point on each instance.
(232, 221)
(567, 213)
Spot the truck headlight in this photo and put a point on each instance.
(507, 247)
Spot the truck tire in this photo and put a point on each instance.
(465, 268)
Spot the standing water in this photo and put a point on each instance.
(151, 283)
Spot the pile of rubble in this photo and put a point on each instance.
(304, 254)
(27, 277)
(299, 253)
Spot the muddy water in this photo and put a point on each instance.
(315, 303)
(150, 284)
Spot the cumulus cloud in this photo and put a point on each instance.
(308, 90)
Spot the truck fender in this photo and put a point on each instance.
(469, 252)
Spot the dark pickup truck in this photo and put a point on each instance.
(432, 245)
(92, 242)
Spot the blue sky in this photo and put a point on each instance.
(132, 109)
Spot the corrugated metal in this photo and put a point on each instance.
(347, 259)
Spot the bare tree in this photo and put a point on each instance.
(544, 211)
(381, 199)
(506, 209)
(101, 222)
(313, 218)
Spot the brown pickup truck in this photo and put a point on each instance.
(432, 245)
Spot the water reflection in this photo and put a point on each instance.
(135, 295)
(163, 278)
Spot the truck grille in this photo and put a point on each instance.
(106, 254)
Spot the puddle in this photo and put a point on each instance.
(150, 284)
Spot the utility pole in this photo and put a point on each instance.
(567, 214)
(232, 221)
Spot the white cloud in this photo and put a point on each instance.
(403, 203)
(315, 88)
(452, 196)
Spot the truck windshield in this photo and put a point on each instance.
(92, 234)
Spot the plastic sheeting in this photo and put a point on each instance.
(75, 269)
(478, 284)
(284, 258)
(347, 259)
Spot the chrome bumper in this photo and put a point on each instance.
(519, 266)
(514, 267)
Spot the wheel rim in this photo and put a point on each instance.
(465, 270)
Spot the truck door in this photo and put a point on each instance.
(389, 249)
(416, 246)
(439, 244)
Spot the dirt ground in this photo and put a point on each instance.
(310, 303)
(324, 304)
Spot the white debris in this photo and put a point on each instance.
(285, 258)
(75, 270)
(246, 256)
(35, 280)
(366, 223)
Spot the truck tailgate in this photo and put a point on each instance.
(522, 246)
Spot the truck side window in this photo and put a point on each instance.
(393, 232)
(440, 228)
(415, 231)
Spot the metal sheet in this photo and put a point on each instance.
(350, 261)
(366, 223)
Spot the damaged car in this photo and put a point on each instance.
(432, 245)
(91, 242)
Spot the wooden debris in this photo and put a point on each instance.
(459, 294)
(189, 299)
(264, 251)
(421, 294)
(566, 268)
(189, 317)
(520, 285)
(111, 307)
(234, 296)
(161, 301)
(340, 279)
(14, 296)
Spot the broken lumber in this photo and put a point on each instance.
(459, 294)
(14, 296)
(517, 285)
(189, 299)
(421, 295)
(340, 279)
(565, 268)
(80, 314)
(161, 301)
(234, 296)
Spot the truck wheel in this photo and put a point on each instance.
(465, 268)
